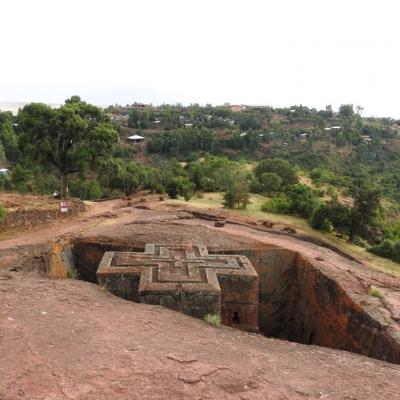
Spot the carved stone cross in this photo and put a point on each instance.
(187, 279)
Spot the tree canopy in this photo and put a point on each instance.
(69, 139)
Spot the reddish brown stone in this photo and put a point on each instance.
(219, 224)
(289, 230)
(268, 224)
(186, 279)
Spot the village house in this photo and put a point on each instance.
(366, 139)
(330, 128)
(237, 108)
(135, 139)
(4, 171)
(119, 119)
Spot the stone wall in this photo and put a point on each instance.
(21, 218)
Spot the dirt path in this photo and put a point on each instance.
(96, 214)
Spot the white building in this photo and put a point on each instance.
(135, 138)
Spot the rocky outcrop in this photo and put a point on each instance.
(300, 303)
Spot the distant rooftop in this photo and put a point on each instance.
(135, 137)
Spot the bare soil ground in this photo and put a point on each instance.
(14, 201)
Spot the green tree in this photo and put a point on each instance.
(320, 219)
(70, 139)
(339, 216)
(237, 195)
(2, 212)
(172, 187)
(86, 189)
(9, 141)
(303, 200)
(20, 179)
(186, 187)
(286, 171)
(270, 182)
(2, 153)
(366, 202)
(125, 176)
(346, 111)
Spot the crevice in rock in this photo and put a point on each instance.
(297, 302)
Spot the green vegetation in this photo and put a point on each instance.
(213, 319)
(69, 139)
(315, 168)
(388, 249)
(2, 212)
(279, 168)
(237, 195)
(374, 292)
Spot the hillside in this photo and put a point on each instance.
(333, 161)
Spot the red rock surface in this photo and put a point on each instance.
(68, 339)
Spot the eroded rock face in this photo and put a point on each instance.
(298, 302)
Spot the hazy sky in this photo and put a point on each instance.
(281, 53)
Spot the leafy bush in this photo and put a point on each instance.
(373, 291)
(277, 205)
(237, 195)
(85, 189)
(180, 185)
(20, 179)
(270, 182)
(2, 212)
(213, 319)
(303, 200)
(387, 249)
(286, 171)
(320, 218)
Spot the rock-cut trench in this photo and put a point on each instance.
(297, 302)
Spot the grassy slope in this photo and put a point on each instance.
(213, 200)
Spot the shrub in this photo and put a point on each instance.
(396, 251)
(2, 212)
(373, 291)
(384, 249)
(286, 171)
(86, 190)
(387, 249)
(213, 319)
(172, 188)
(20, 179)
(303, 200)
(320, 218)
(237, 195)
(277, 205)
(331, 191)
(180, 185)
(270, 182)
(158, 188)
